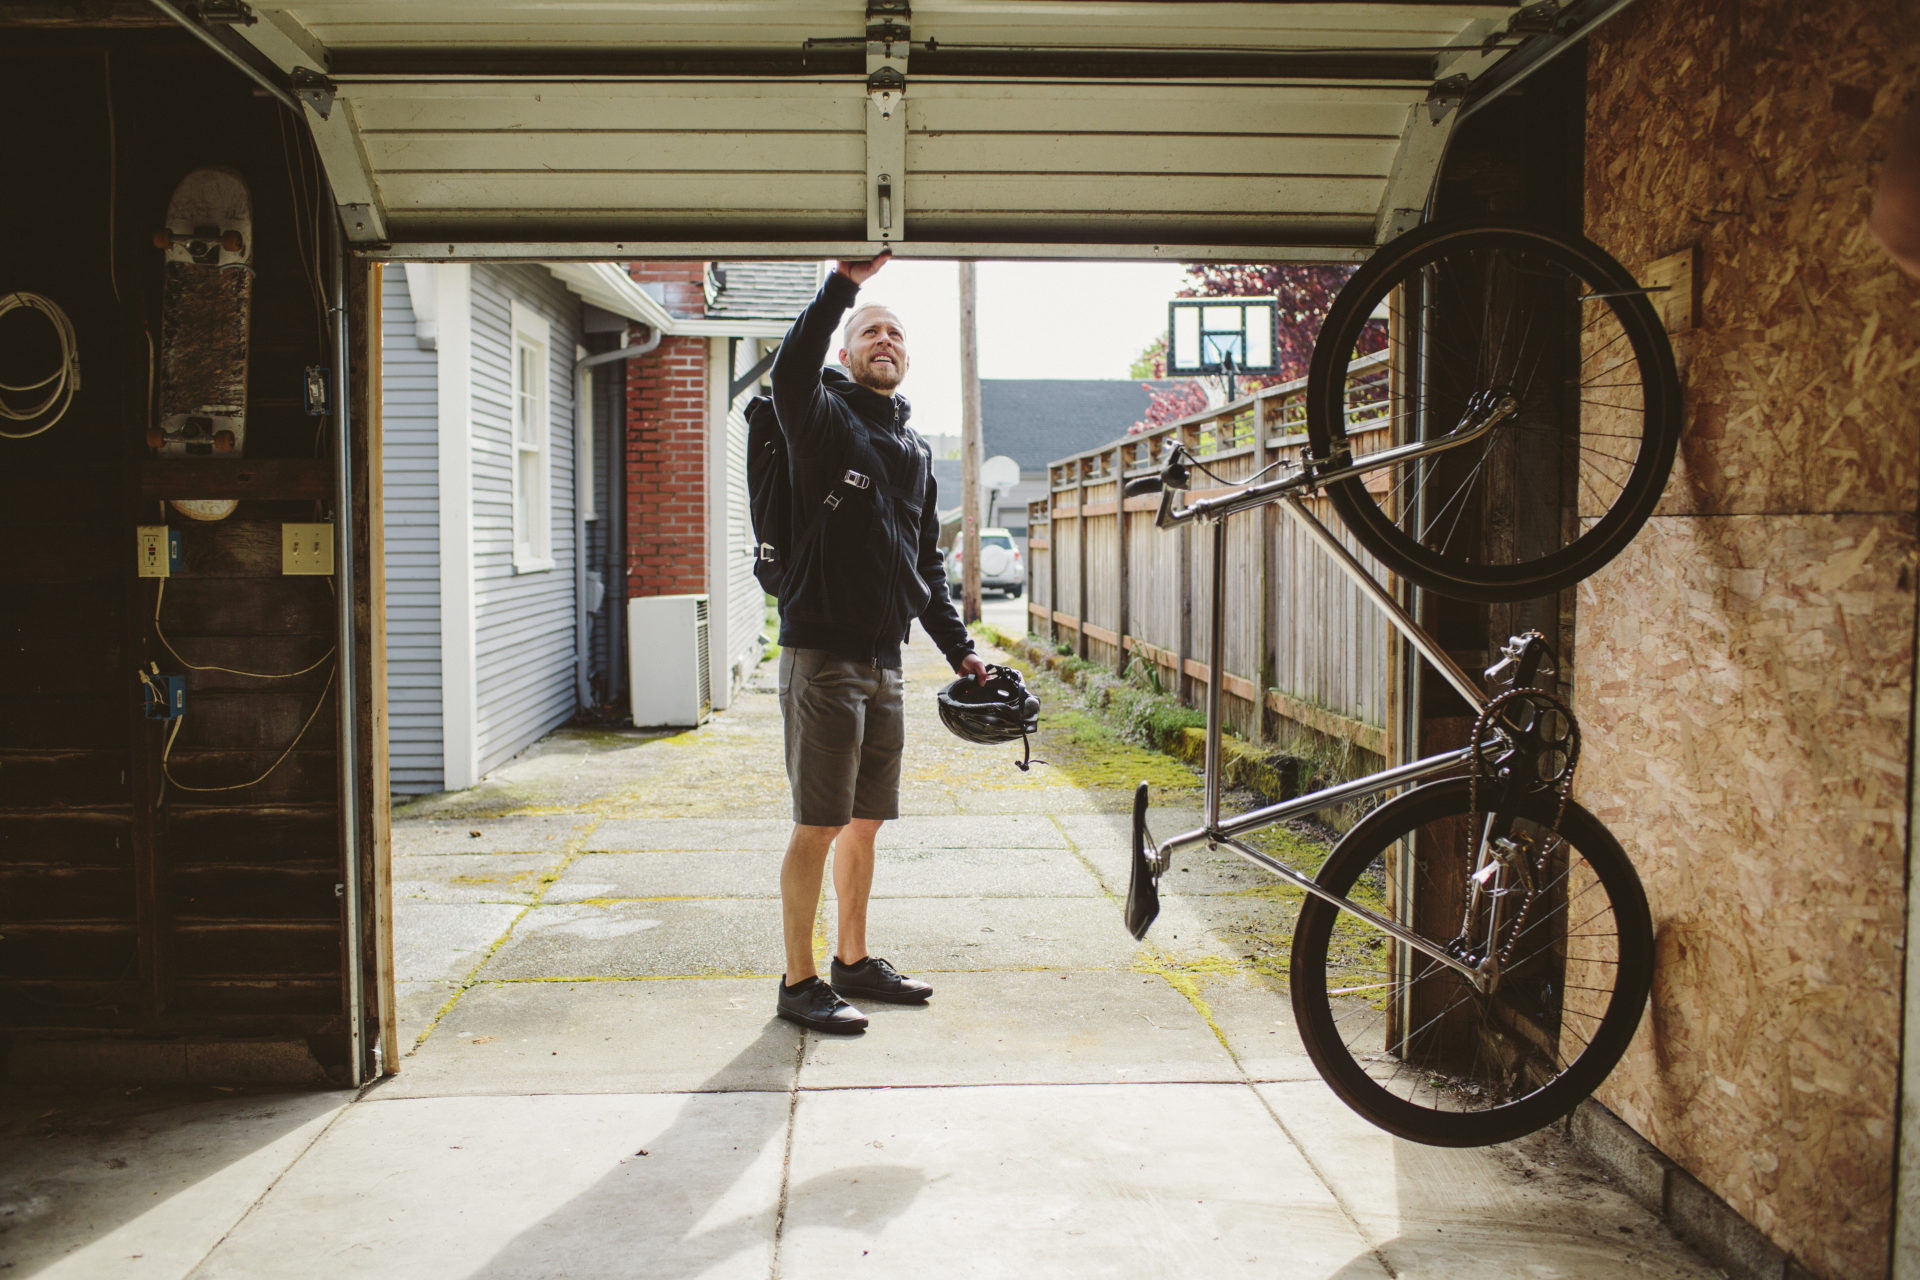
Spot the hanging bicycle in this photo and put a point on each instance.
(1473, 957)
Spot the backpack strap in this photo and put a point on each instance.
(854, 477)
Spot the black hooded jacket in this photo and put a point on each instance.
(875, 564)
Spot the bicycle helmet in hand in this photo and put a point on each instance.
(999, 710)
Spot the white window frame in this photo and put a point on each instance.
(530, 439)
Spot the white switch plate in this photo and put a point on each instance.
(306, 548)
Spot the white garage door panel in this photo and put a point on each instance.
(626, 151)
(1039, 195)
(390, 24)
(952, 154)
(810, 106)
(629, 195)
(787, 23)
(1185, 22)
(1162, 109)
(1026, 124)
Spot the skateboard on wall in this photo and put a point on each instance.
(206, 319)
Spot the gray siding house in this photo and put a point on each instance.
(482, 427)
(504, 466)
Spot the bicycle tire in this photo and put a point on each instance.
(1406, 1042)
(1442, 522)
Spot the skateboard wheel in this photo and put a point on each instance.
(223, 441)
(156, 438)
(230, 241)
(163, 238)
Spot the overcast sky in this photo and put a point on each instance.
(1036, 320)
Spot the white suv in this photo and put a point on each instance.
(1001, 568)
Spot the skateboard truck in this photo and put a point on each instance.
(197, 436)
(203, 244)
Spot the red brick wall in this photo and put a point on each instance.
(666, 458)
(683, 284)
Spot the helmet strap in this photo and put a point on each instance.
(1026, 761)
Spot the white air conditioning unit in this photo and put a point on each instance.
(667, 666)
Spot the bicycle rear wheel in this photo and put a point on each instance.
(1547, 495)
(1407, 1042)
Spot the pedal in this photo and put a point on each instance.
(1143, 886)
(1524, 660)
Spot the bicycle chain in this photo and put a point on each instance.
(1545, 704)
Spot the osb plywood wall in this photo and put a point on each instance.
(1745, 668)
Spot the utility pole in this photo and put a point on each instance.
(969, 451)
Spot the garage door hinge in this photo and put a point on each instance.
(1445, 96)
(226, 13)
(314, 89)
(1541, 19)
(886, 87)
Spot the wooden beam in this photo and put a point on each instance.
(1361, 734)
(375, 808)
(1123, 568)
(1239, 686)
(261, 479)
(1080, 571)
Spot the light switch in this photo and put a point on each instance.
(306, 548)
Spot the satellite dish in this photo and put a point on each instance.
(1000, 473)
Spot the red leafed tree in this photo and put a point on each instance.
(1303, 294)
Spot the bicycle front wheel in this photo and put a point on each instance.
(1449, 313)
(1408, 1042)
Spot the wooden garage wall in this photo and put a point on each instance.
(157, 919)
(1745, 667)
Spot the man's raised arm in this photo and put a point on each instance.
(797, 397)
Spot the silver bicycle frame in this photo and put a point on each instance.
(1216, 832)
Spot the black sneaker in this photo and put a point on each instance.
(875, 979)
(815, 1004)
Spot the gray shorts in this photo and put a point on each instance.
(845, 729)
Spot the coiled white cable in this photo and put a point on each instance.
(64, 380)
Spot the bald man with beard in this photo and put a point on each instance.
(846, 605)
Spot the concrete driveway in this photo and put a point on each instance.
(596, 1085)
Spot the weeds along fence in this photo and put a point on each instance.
(1305, 651)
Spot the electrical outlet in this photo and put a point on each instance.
(166, 696)
(306, 548)
(159, 550)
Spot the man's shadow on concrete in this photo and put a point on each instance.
(649, 1215)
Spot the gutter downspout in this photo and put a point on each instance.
(616, 540)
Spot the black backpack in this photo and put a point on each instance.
(769, 493)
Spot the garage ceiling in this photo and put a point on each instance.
(623, 128)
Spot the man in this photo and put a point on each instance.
(847, 599)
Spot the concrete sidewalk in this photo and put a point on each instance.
(588, 945)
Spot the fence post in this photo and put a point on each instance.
(1080, 468)
(1262, 672)
(1053, 558)
(1189, 436)
(1123, 570)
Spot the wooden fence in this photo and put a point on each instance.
(1303, 646)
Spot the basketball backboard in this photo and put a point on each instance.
(1218, 335)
